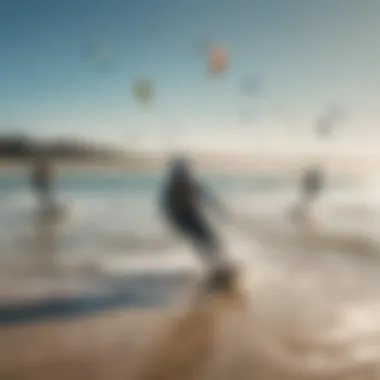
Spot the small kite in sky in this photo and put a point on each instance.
(218, 60)
(143, 91)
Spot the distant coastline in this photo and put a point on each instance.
(17, 152)
(145, 163)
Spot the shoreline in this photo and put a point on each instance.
(357, 165)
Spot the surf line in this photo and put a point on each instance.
(189, 342)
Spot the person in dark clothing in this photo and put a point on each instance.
(312, 183)
(42, 181)
(182, 206)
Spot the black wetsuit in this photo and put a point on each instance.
(182, 208)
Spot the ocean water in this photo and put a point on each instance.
(321, 283)
(113, 224)
(111, 214)
(112, 228)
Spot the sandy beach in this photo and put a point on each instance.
(202, 341)
(87, 348)
(179, 342)
(216, 338)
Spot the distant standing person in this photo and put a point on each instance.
(312, 183)
(42, 178)
(182, 206)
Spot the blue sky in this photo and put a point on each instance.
(305, 53)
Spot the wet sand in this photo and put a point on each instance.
(216, 337)
(171, 344)
(99, 347)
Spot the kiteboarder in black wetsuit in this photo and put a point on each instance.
(182, 205)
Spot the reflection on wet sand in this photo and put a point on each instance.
(189, 341)
(219, 336)
(128, 345)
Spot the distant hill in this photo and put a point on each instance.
(18, 147)
(14, 147)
